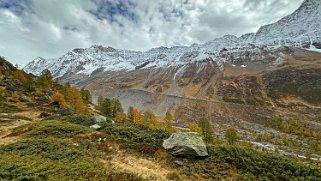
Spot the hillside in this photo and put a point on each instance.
(46, 139)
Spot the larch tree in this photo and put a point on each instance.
(150, 119)
(106, 108)
(59, 99)
(75, 100)
(19, 75)
(231, 136)
(100, 100)
(206, 129)
(169, 122)
(29, 84)
(86, 95)
(135, 115)
(65, 90)
(45, 80)
(116, 107)
(193, 127)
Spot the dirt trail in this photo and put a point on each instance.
(5, 128)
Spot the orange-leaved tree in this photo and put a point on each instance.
(59, 99)
(135, 115)
(75, 100)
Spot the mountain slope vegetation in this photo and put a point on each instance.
(51, 140)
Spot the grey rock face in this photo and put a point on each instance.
(186, 145)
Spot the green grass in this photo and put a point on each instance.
(9, 118)
(50, 128)
(7, 108)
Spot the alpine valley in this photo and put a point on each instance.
(247, 82)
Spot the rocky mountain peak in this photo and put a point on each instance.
(301, 29)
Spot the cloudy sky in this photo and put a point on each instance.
(50, 28)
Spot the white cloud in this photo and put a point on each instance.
(50, 28)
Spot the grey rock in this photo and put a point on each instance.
(100, 118)
(188, 144)
(178, 163)
(24, 99)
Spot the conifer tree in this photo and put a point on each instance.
(45, 79)
(100, 100)
(206, 129)
(86, 96)
(150, 119)
(29, 84)
(169, 122)
(19, 75)
(134, 115)
(59, 98)
(116, 107)
(193, 127)
(106, 108)
(65, 90)
(231, 136)
(75, 100)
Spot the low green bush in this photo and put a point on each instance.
(262, 166)
(136, 134)
(82, 119)
(51, 149)
(65, 112)
(50, 128)
(44, 115)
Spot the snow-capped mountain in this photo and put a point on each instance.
(301, 29)
(86, 61)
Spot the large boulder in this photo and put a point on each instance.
(188, 144)
(100, 118)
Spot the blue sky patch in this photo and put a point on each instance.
(18, 7)
(110, 9)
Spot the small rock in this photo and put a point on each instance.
(95, 126)
(129, 162)
(24, 99)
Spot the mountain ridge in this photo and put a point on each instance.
(285, 32)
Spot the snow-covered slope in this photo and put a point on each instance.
(300, 29)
